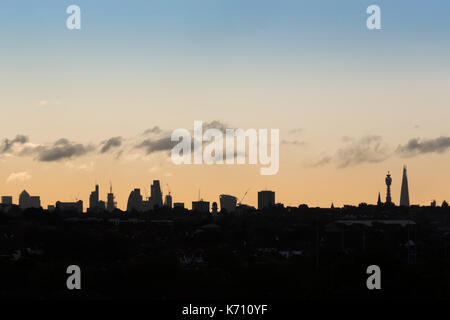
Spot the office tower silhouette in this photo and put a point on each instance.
(200, 206)
(227, 203)
(110, 204)
(26, 201)
(168, 201)
(404, 193)
(388, 186)
(94, 203)
(93, 198)
(156, 194)
(135, 201)
(266, 199)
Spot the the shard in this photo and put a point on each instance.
(404, 194)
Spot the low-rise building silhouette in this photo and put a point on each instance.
(70, 206)
(200, 206)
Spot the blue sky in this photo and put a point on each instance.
(252, 64)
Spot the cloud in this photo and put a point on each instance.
(293, 143)
(154, 130)
(151, 146)
(111, 143)
(8, 144)
(215, 124)
(83, 166)
(295, 131)
(322, 162)
(61, 149)
(18, 176)
(418, 146)
(369, 149)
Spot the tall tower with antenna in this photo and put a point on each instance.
(404, 193)
(388, 191)
(110, 204)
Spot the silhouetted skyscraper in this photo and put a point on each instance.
(266, 199)
(156, 194)
(110, 204)
(93, 198)
(94, 203)
(135, 201)
(379, 200)
(26, 201)
(404, 193)
(168, 201)
(228, 202)
(388, 191)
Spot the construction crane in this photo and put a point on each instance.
(243, 197)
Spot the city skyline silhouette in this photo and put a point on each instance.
(138, 202)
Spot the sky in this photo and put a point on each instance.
(350, 103)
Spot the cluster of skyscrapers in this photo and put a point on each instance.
(136, 202)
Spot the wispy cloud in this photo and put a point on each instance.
(368, 149)
(295, 131)
(18, 176)
(110, 143)
(154, 130)
(8, 144)
(297, 143)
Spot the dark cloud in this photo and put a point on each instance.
(61, 149)
(420, 146)
(8, 144)
(154, 130)
(151, 146)
(111, 143)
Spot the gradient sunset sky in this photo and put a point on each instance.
(350, 103)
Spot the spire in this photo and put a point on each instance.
(404, 193)
(379, 200)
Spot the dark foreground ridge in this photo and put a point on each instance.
(277, 253)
